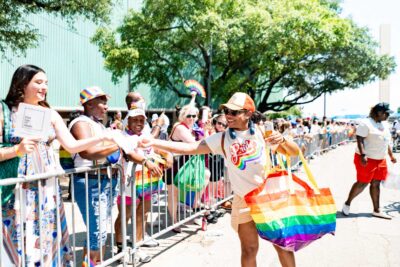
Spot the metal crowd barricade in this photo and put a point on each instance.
(185, 205)
(312, 146)
(110, 256)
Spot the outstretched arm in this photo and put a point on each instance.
(196, 148)
(70, 143)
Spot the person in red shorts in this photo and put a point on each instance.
(373, 145)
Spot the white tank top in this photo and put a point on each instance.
(96, 127)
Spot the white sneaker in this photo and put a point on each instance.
(150, 242)
(346, 209)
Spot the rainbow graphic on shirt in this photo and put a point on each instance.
(242, 154)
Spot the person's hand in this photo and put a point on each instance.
(275, 138)
(27, 145)
(169, 162)
(160, 121)
(153, 168)
(363, 160)
(393, 159)
(208, 126)
(145, 142)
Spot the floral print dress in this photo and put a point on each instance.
(22, 212)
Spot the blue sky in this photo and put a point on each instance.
(369, 13)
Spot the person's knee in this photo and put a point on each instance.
(375, 183)
(249, 250)
(361, 185)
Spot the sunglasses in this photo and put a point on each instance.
(221, 124)
(228, 111)
(191, 116)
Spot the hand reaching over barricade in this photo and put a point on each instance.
(153, 167)
(145, 142)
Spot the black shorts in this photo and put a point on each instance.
(216, 166)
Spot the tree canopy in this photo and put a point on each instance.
(17, 34)
(298, 49)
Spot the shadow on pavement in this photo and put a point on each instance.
(339, 215)
(392, 208)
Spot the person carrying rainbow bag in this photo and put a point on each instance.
(243, 147)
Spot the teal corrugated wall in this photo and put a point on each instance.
(69, 59)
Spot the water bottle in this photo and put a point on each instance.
(204, 224)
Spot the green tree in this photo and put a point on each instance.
(294, 111)
(298, 48)
(17, 34)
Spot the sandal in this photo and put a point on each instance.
(219, 213)
(227, 205)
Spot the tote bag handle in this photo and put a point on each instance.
(294, 179)
(309, 174)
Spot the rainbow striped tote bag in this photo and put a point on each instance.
(148, 183)
(290, 212)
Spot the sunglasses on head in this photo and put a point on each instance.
(191, 116)
(228, 111)
(221, 124)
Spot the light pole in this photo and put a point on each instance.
(208, 103)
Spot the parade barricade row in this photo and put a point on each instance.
(171, 204)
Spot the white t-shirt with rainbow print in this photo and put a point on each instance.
(245, 159)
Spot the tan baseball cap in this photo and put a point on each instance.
(240, 101)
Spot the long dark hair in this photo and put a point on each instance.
(21, 78)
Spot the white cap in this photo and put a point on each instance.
(136, 112)
(154, 117)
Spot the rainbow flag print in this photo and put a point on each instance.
(242, 154)
(292, 220)
(148, 184)
(195, 86)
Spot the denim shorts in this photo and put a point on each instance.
(100, 206)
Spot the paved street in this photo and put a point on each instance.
(360, 240)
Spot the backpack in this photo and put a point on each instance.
(9, 168)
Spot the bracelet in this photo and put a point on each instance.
(157, 126)
(19, 153)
